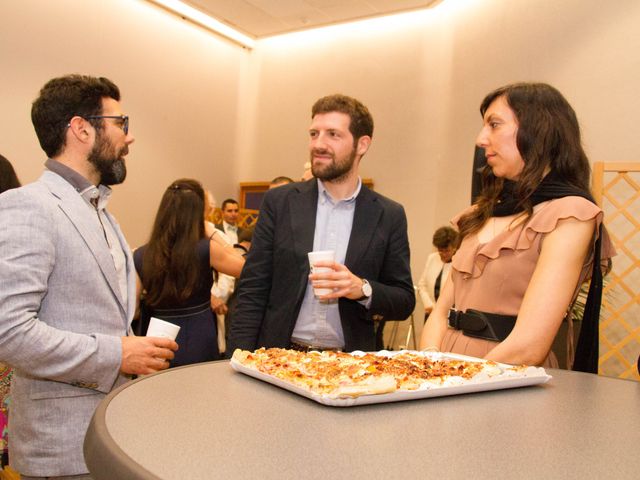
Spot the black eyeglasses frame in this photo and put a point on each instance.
(124, 118)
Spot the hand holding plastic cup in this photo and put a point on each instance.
(321, 255)
(162, 329)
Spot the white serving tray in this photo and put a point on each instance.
(509, 378)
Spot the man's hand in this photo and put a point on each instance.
(428, 310)
(339, 279)
(144, 355)
(218, 305)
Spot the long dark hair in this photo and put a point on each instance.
(8, 177)
(170, 268)
(548, 137)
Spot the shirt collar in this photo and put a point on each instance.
(228, 226)
(325, 196)
(96, 196)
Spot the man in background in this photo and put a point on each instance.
(279, 181)
(437, 268)
(229, 223)
(370, 279)
(67, 281)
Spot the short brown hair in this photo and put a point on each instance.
(445, 237)
(63, 98)
(361, 123)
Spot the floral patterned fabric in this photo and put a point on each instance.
(5, 384)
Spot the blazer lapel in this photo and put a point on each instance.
(365, 222)
(75, 208)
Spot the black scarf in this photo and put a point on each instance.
(551, 187)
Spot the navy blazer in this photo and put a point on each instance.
(274, 278)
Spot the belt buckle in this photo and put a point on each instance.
(453, 318)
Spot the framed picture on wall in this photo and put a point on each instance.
(251, 193)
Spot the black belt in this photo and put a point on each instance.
(310, 348)
(180, 312)
(488, 326)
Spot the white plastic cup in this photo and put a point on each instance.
(163, 329)
(321, 255)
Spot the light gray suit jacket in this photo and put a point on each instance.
(61, 316)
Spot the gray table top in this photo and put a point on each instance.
(207, 421)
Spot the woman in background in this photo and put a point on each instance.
(8, 180)
(529, 240)
(8, 177)
(175, 272)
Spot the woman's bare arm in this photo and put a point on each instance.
(436, 326)
(225, 259)
(549, 294)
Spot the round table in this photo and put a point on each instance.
(207, 421)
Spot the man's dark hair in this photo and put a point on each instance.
(63, 98)
(445, 237)
(281, 179)
(228, 201)
(361, 123)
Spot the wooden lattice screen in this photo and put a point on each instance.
(616, 187)
(246, 217)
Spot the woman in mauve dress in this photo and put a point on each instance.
(529, 240)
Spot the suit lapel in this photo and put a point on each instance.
(303, 204)
(75, 208)
(131, 269)
(365, 222)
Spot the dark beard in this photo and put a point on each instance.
(108, 164)
(334, 172)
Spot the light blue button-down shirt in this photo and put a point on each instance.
(318, 322)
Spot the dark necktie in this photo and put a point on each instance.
(436, 286)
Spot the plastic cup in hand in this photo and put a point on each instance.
(321, 255)
(160, 328)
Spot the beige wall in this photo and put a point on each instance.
(203, 107)
(180, 85)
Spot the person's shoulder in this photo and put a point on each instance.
(383, 201)
(571, 206)
(26, 196)
(433, 256)
(138, 252)
(573, 201)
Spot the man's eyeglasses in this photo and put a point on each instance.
(123, 123)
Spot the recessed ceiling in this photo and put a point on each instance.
(263, 18)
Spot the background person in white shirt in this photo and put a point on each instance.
(437, 268)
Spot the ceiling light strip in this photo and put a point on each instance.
(206, 21)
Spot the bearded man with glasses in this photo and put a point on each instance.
(67, 280)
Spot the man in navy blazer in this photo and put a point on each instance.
(370, 278)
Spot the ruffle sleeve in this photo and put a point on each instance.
(472, 257)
